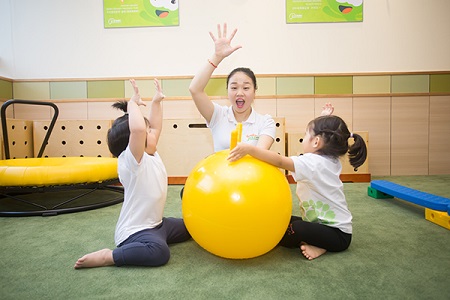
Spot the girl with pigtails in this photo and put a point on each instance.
(326, 222)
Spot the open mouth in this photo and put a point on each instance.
(162, 13)
(240, 103)
(345, 9)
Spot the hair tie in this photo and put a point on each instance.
(351, 134)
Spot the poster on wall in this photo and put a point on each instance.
(323, 11)
(140, 13)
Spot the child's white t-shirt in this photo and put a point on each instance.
(145, 193)
(321, 192)
(223, 123)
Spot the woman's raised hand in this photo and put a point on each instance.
(222, 43)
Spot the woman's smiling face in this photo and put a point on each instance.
(241, 92)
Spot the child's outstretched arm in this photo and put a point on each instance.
(138, 128)
(268, 156)
(155, 117)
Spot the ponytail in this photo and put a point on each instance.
(357, 152)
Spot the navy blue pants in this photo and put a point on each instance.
(315, 234)
(150, 247)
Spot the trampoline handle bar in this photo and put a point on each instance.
(5, 129)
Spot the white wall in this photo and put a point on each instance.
(6, 50)
(66, 39)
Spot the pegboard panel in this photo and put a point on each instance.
(295, 148)
(183, 143)
(20, 137)
(86, 138)
(279, 145)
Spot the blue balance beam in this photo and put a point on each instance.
(417, 197)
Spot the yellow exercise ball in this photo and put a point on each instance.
(236, 209)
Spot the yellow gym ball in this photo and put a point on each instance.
(236, 210)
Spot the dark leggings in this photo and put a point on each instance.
(315, 234)
(150, 247)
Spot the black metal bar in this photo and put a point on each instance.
(31, 102)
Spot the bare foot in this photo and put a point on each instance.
(311, 252)
(100, 258)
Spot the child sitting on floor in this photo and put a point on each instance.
(326, 222)
(142, 233)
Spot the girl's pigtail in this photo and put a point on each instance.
(121, 105)
(357, 152)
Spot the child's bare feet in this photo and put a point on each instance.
(311, 252)
(100, 258)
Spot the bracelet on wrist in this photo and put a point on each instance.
(212, 64)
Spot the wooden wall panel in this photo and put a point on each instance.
(184, 143)
(179, 109)
(409, 140)
(70, 138)
(373, 114)
(73, 110)
(102, 111)
(20, 139)
(296, 111)
(439, 141)
(32, 112)
(342, 107)
(266, 106)
(279, 145)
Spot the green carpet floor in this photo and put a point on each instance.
(395, 254)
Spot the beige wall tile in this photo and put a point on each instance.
(73, 110)
(102, 111)
(180, 109)
(409, 141)
(373, 114)
(266, 106)
(439, 140)
(297, 113)
(343, 108)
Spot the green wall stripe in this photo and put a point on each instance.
(266, 86)
(68, 90)
(31, 90)
(410, 84)
(176, 87)
(371, 84)
(106, 89)
(6, 89)
(295, 86)
(440, 83)
(146, 88)
(217, 87)
(333, 85)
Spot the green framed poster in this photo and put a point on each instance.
(323, 11)
(140, 13)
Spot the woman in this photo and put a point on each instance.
(258, 130)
